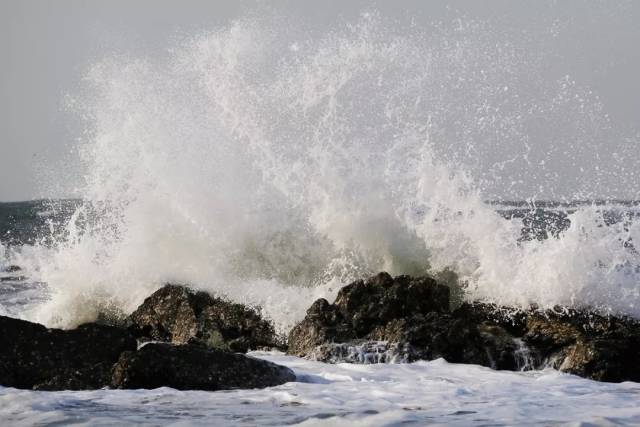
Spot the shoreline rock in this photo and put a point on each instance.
(587, 344)
(34, 357)
(365, 310)
(192, 367)
(408, 319)
(193, 341)
(202, 334)
(179, 315)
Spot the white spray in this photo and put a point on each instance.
(274, 170)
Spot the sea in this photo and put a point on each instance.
(272, 165)
(421, 393)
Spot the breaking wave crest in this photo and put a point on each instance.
(273, 166)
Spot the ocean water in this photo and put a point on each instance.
(422, 393)
(273, 165)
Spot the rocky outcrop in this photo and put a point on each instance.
(203, 333)
(381, 319)
(179, 315)
(387, 319)
(580, 342)
(366, 310)
(32, 356)
(193, 367)
(603, 348)
(411, 313)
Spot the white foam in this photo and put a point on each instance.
(3, 256)
(274, 176)
(370, 395)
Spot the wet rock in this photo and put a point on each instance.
(387, 319)
(513, 320)
(410, 314)
(580, 342)
(179, 315)
(381, 298)
(364, 309)
(322, 324)
(501, 329)
(95, 356)
(193, 367)
(364, 352)
(603, 348)
(32, 356)
(507, 352)
(435, 335)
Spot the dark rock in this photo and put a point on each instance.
(550, 333)
(539, 223)
(433, 336)
(604, 348)
(179, 315)
(193, 367)
(507, 352)
(364, 308)
(323, 324)
(381, 298)
(410, 313)
(511, 319)
(578, 342)
(32, 356)
(404, 319)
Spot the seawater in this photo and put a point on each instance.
(272, 166)
(422, 393)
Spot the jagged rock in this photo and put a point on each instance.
(363, 307)
(579, 342)
(587, 344)
(193, 367)
(511, 319)
(404, 319)
(501, 330)
(507, 352)
(179, 315)
(381, 298)
(410, 313)
(323, 324)
(32, 356)
(435, 335)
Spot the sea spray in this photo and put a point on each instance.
(274, 167)
(3, 256)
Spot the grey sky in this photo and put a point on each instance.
(46, 45)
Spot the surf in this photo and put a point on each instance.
(274, 166)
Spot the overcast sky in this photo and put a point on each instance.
(45, 46)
